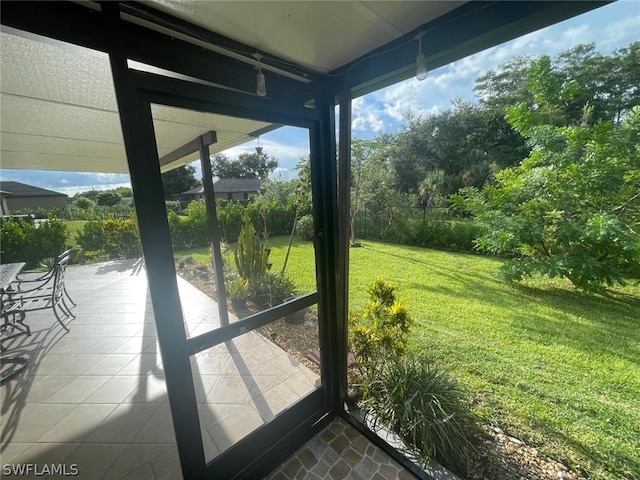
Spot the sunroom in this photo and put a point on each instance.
(145, 87)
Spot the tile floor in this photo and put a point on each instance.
(340, 452)
(95, 397)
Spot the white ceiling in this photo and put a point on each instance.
(58, 111)
(58, 107)
(317, 35)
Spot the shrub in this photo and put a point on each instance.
(304, 228)
(23, 242)
(427, 408)
(115, 237)
(92, 237)
(270, 289)
(406, 394)
(122, 238)
(380, 331)
(14, 242)
(108, 198)
(172, 205)
(83, 203)
(189, 231)
(435, 230)
(238, 288)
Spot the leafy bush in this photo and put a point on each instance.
(238, 288)
(270, 289)
(108, 198)
(189, 231)
(92, 238)
(380, 331)
(571, 208)
(427, 408)
(93, 213)
(304, 228)
(409, 226)
(122, 238)
(172, 205)
(406, 394)
(83, 203)
(23, 242)
(117, 238)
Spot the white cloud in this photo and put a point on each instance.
(282, 174)
(620, 33)
(366, 116)
(577, 35)
(392, 105)
(288, 155)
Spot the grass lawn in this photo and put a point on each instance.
(74, 227)
(548, 364)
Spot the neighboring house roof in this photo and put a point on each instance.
(230, 185)
(17, 189)
(194, 191)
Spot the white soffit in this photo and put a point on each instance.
(58, 111)
(318, 35)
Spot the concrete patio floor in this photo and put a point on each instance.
(95, 397)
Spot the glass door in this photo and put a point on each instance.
(245, 250)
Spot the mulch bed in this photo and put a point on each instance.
(501, 457)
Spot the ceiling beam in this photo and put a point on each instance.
(52, 19)
(208, 138)
(148, 13)
(468, 29)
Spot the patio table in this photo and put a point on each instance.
(8, 274)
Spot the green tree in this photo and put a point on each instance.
(466, 142)
(179, 180)
(108, 198)
(83, 203)
(363, 167)
(608, 83)
(505, 86)
(572, 207)
(124, 191)
(247, 165)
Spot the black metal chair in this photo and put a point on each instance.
(48, 293)
(42, 279)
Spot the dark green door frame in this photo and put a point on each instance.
(264, 449)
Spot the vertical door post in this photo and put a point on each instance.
(146, 180)
(212, 225)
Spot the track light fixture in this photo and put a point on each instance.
(421, 60)
(261, 85)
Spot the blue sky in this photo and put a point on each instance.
(610, 27)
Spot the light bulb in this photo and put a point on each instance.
(421, 67)
(261, 85)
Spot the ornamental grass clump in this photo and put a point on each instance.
(406, 394)
(427, 408)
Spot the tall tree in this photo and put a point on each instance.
(179, 180)
(610, 84)
(108, 198)
(505, 86)
(572, 207)
(466, 142)
(362, 168)
(247, 165)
